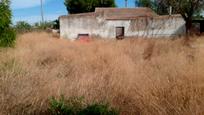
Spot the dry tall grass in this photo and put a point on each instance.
(140, 76)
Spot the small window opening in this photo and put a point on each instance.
(120, 33)
(84, 37)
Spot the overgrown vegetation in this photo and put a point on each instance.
(82, 6)
(44, 25)
(136, 76)
(187, 8)
(7, 34)
(76, 106)
(161, 7)
(23, 27)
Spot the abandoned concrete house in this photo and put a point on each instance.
(121, 22)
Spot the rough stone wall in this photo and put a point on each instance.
(96, 25)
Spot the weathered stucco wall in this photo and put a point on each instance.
(97, 25)
(149, 27)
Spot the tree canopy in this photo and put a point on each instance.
(187, 8)
(159, 6)
(7, 34)
(5, 15)
(82, 6)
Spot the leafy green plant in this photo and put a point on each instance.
(82, 6)
(5, 15)
(59, 107)
(98, 109)
(65, 107)
(7, 37)
(76, 106)
(7, 34)
(23, 26)
(43, 25)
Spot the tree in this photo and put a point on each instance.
(7, 34)
(22, 27)
(162, 7)
(159, 6)
(5, 15)
(82, 6)
(145, 3)
(187, 8)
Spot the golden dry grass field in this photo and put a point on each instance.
(137, 76)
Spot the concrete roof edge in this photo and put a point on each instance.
(106, 8)
(154, 17)
(80, 14)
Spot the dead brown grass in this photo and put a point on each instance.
(140, 76)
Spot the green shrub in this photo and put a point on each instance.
(47, 25)
(7, 34)
(7, 37)
(43, 25)
(5, 15)
(71, 106)
(76, 106)
(59, 107)
(98, 109)
(23, 26)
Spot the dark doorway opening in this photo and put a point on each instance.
(201, 25)
(120, 33)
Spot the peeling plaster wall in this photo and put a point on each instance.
(149, 27)
(72, 26)
(96, 25)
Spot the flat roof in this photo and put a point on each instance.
(122, 13)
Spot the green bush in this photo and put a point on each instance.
(76, 106)
(5, 15)
(7, 37)
(98, 109)
(82, 6)
(7, 34)
(23, 26)
(65, 107)
(43, 25)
